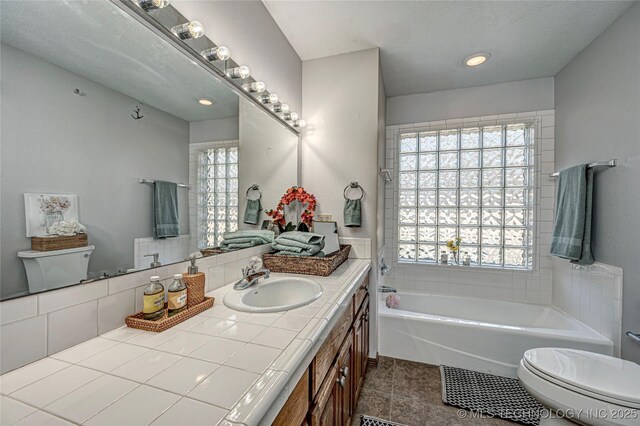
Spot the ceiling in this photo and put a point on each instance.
(422, 43)
(98, 41)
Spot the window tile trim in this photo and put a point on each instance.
(529, 119)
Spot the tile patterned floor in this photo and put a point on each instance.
(410, 393)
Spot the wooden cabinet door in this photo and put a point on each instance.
(358, 355)
(345, 381)
(365, 338)
(326, 411)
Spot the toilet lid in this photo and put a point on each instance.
(603, 376)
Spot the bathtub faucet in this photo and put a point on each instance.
(387, 289)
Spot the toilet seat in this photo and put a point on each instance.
(594, 375)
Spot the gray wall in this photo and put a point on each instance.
(502, 98)
(56, 141)
(254, 39)
(597, 118)
(223, 129)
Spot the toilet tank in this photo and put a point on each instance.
(47, 270)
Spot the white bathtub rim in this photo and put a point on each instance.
(582, 333)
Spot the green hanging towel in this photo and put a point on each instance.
(165, 210)
(353, 213)
(252, 212)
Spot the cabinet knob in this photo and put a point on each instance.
(366, 317)
(344, 371)
(341, 381)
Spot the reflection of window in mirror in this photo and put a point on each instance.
(217, 191)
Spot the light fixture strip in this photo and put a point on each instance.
(163, 20)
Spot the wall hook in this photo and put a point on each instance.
(79, 92)
(136, 113)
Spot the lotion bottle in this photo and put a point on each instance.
(177, 296)
(153, 308)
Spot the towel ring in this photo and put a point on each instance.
(254, 187)
(353, 185)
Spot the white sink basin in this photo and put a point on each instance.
(274, 295)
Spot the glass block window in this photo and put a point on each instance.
(217, 194)
(473, 183)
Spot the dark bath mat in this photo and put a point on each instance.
(374, 421)
(488, 394)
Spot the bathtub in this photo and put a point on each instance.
(482, 335)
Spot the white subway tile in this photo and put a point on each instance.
(113, 309)
(22, 342)
(71, 326)
(18, 309)
(60, 299)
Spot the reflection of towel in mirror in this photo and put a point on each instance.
(245, 239)
(165, 210)
(298, 243)
(252, 212)
(353, 213)
(571, 237)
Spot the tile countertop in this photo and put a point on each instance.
(220, 367)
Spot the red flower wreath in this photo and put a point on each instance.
(294, 193)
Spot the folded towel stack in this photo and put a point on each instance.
(298, 243)
(245, 239)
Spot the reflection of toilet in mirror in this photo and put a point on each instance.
(47, 270)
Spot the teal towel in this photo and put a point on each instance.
(298, 243)
(252, 212)
(165, 210)
(246, 239)
(353, 213)
(571, 237)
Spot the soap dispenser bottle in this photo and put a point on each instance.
(153, 308)
(177, 296)
(195, 282)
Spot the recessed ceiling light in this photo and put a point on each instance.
(476, 59)
(205, 101)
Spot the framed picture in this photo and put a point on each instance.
(43, 210)
(330, 232)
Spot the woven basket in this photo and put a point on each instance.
(195, 288)
(166, 322)
(307, 265)
(211, 251)
(57, 242)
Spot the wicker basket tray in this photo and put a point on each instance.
(166, 322)
(57, 242)
(322, 266)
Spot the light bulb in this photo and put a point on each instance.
(219, 53)
(205, 101)
(271, 98)
(294, 116)
(239, 72)
(193, 29)
(290, 116)
(299, 123)
(281, 108)
(151, 4)
(255, 87)
(476, 59)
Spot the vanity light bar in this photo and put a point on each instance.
(236, 75)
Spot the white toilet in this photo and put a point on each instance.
(47, 270)
(595, 389)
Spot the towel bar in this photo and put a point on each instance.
(180, 185)
(610, 163)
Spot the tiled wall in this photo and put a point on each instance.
(36, 326)
(170, 250)
(520, 286)
(592, 294)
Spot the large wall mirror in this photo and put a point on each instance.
(92, 103)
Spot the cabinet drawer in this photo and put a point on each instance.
(294, 411)
(329, 349)
(361, 293)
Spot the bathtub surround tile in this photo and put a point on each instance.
(480, 283)
(64, 329)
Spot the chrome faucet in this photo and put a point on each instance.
(252, 274)
(155, 263)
